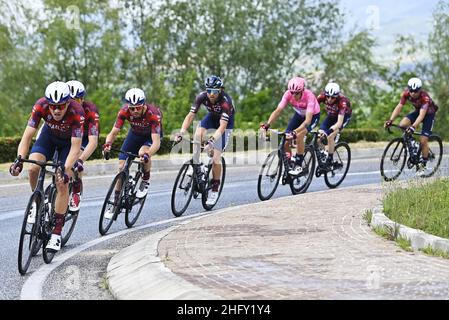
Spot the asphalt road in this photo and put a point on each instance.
(78, 271)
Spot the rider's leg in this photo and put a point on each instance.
(300, 145)
(405, 122)
(33, 171)
(427, 126)
(42, 149)
(294, 123)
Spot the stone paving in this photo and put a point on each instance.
(311, 246)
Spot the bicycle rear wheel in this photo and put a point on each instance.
(393, 160)
(111, 204)
(182, 190)
(269, 176)
(435, 155)
(29, 235)
(134, 205)
(208, 187)
(340, 167)
(300, 184)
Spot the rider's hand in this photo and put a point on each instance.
(388, 123)
(178, 138)
(265, 126)
(16, 167)
(145, 158)
(209, 148)
(62, 176)
(410, 130)
(291, 135)
(78, 166)
(106, 150)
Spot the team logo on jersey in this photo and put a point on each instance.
(216, 108)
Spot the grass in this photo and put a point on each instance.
(434, 252)
(368, 216)
(422, 206)
(392, 234)
(405, 244)
(104, 283)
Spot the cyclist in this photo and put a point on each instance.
(306, 117)
(62, 131)
(339, 113)
(90, 138)
(424, 113)
(143, 138)
(220, 117)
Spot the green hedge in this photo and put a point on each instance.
(8, 145)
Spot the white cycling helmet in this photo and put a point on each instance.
(135, 96)
(77, 89)
(332, 89)
(57, 92)
(414, 84)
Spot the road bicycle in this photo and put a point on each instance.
(35, 235)
(407, 150)
(333, 173)
(277, 164)
(125, 199)
(195, 179)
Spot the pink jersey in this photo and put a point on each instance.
(307, 103)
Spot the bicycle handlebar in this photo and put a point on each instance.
(402, 129)
(125, 152)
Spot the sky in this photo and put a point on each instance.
(386, 19)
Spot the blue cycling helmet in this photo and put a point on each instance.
(213, 82)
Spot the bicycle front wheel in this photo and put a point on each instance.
(182, 190)
(269, 176)
(29, 235)
(300, 184)
(134, 205)
(111, 204)
(340, 166)
(393, 160)
(208, 189)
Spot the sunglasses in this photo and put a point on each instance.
(295, 92)
(213, 91)
(58, 106)
(414, 91)
(135, 108)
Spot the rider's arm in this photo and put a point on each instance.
(187, 122)
(73, 153)
(221, 130)
(90, 148)
(110, 138)
(339, 123)
(396, 111)
(156, 137)
(421, 116)
(24, 145)
(306, 123)
(274, 115)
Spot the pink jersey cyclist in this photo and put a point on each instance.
(307, 103)
(306, 117)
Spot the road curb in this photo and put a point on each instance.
(418, 238)
(138, 273)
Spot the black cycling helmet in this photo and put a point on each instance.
(213, 82)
